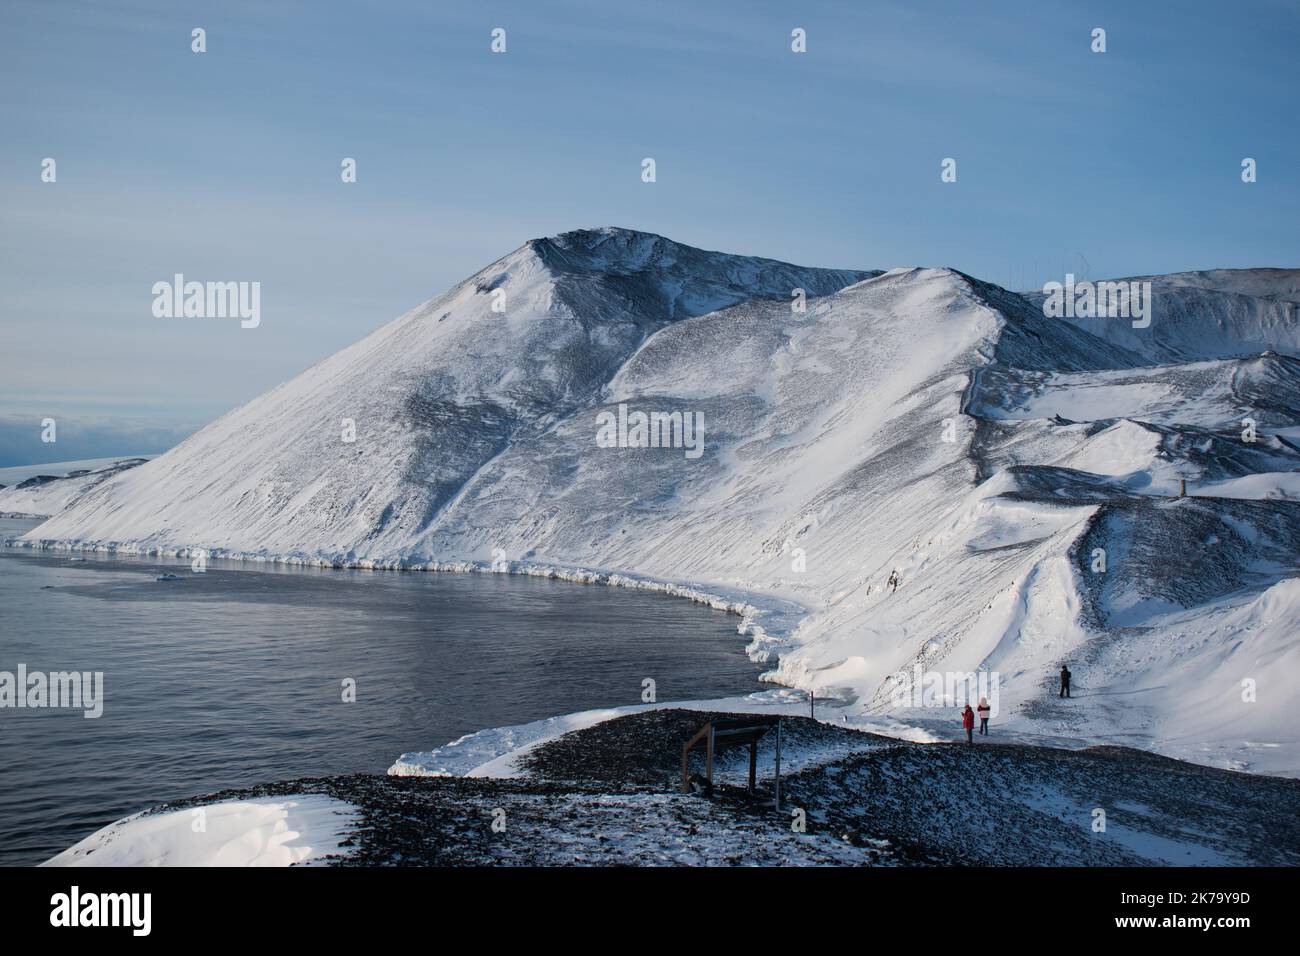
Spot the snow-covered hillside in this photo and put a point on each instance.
(1218, 313)
(47, 494)
(916, 423)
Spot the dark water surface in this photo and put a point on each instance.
(234, 677)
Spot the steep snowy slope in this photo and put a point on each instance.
(433, 397)
(925, 462)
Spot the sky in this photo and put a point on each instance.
(225, 165)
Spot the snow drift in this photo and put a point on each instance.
(284, 832)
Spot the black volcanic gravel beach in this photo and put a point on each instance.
(610, 794)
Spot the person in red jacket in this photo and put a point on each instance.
(968, 721)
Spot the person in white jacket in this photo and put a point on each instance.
(984, 711)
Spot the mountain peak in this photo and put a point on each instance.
(616, 250)
(589, 236)
(603, 248)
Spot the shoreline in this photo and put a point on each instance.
(766, 644)
(768, 620)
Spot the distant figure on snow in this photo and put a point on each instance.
(968, 721)
(1065, 681)
(893, 580)
(984, 712)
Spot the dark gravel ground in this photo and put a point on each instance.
(448, 821)
(610, 795)
(1030, 806)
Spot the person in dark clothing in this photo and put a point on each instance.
(968, 721)
(1065, 681)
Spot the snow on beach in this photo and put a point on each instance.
(916, 425)
(265, 832)
(609, 793)
(498, 752)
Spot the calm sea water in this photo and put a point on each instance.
(233, 677)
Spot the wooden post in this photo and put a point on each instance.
(1182, 487)
(812, 704)
(706, 730)
(778, 764)
(708, 759)
(753, 765)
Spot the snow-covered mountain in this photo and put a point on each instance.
(47, 494)
(1017, 474)
(1218, 313)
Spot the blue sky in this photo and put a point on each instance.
(225, 165)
